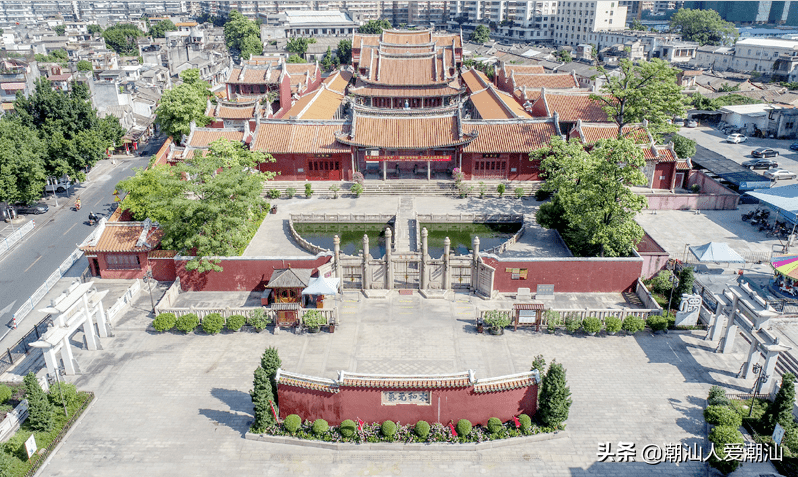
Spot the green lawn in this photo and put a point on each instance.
(15, 447)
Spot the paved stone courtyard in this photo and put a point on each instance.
(178, 405)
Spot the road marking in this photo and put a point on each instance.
(34, 262)
(70, 228)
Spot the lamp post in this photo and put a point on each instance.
(673, 285)
(148, 281)
(758, 368)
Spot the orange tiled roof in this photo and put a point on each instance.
(203, 137)
(524, 69)
(253, 75)
(287, 378)
(459, 380)
(162, 253)
(287, 137)
(527, 94)
(446, 40)
(571, 107)
(186, 24)
(406, 132)
(123, 236)
(663, 154)
(231, 111)
(406, 71)
(509, 136)
(475, 80)
(430, 91)
(361, 39)
(403, 37)
(494, 104)
(338, 81)
(295, 69)
(506, 383)
(263, 60)
(320, 104)
(556, 80)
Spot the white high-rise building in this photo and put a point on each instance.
(578, 22)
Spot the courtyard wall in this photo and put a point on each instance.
(242, 273)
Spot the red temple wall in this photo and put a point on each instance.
(241, 274)
(589, 275)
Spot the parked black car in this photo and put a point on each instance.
(760, 164)
(794, 146)
(31, 208)
(764, 152)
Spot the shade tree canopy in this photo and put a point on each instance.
(704, 26)
(159, 29)
(183, 104)
(122, 38)
(374, 27)
(242, 36)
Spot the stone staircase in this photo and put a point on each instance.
(410, 187)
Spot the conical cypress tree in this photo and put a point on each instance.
(270, 362)
(261, 395)
(40, 410)
(781, 409)
(555, 400)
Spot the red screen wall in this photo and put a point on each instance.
(569, 275)
(240, 274)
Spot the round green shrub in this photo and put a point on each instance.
(347, 428)
(612, 324)
(164, 322)
(463, 427)
(320, 426)
(720, 436)
(572, 323)
(719, 401)
(591, 324)
(723, 416)
(5, 393)
(292, 423)
(526, 422)
(657, 323)
(494, 425)
(421, 429)
(187, 323)
(212, 323)
(235, 322)
(633, 324)
(388, 429)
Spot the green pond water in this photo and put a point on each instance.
(462, 236)
(351, 235)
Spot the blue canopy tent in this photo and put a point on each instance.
(783, 200)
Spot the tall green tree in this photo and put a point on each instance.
(780, 412)
(208, 204)
(637, 91)
(704, 26)
(295, 59)
(122, 38)
(271, 362)
(74, 134)
(242, 35)
(84, 65)
(592, 203)
(328, 62)
(374, 27)
(555, 397)
(683, 147)
(40, 410)
(262, 395)
(637, 25)
(686, 280)
(481, 34)
(94, 28)
(59, 30)
(183, 104)
(344, 51)
(22, 162)
(299, 45)
(159, 29)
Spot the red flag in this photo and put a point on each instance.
(517, 422)
(273, 411)
(451, 426)
(360, 425)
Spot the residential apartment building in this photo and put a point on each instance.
(577, 22)
(760, 54)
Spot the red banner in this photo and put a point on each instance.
(409, 158)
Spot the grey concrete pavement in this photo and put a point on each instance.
(170, 404)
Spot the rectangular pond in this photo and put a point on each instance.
(351, 235)
(462, 236)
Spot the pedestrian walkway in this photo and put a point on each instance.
(405, 227)
(182, 403)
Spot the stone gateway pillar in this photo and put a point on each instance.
(388, 259)
(447, 266)
(475, 265)
(366, 257)
(423, 282)
(337, 264)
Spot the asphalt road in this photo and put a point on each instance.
(24, 268)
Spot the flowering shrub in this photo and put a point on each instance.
(457, 174)
(358, 178)
(405, 433)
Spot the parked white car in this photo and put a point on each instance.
(736, 138)
(776, 174)
(691, 123)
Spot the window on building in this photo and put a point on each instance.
(123, 262)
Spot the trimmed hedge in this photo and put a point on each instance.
(164, 322)
(657, 323)
(723, 416)
(320, 426)
(388, 429)
(591, 324)
(495, 425)
(421, 429)
(292, 423)
(187, 323)
(348, 428)
(633, 324)
(612, 324)
(717, 397)
(526, 422)
(235, 322)
(463, 427)
(212, 323)
(720, 436)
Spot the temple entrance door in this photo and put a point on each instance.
(406, 273)
(324, 169)
(490, 168)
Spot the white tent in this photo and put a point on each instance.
(322, 286)
(716, 252)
